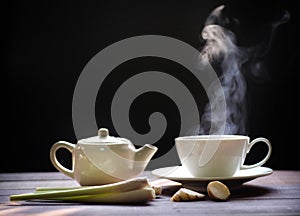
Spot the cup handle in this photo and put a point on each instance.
(267, 142)
(61, 144)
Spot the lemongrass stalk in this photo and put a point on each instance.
(134, 196)
(38, 189)
(128, 185)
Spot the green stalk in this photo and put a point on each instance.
(134, 196)
(39, 189)
(128, 185)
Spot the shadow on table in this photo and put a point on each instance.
(246, 191)
(251, 191)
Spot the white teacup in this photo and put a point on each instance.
(217, 155)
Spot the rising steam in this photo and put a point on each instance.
(222, 52)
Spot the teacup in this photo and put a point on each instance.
(217, 155)
(103, 159)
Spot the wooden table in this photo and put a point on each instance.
(275, 194)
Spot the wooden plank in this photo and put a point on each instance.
(33, 176)
(4, 192)
(158, 207)
(46, 176)
(247, 193)
(277, 194)
(279, 177)
(236, 207)
(272, 192)
(35, 184)
(249, 189)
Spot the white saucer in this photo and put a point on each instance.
(179, 174)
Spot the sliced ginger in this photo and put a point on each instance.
(157, 189)
(184, 194)
(218, 191)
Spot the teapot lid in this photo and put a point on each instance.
(104, 138)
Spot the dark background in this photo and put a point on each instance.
(50, 42)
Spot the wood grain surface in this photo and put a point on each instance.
(276, 194)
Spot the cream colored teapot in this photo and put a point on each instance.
(103, 159)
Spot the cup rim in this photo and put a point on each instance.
(212, 137)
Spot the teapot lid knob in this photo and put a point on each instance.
(103, 133)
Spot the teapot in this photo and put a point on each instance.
(103, 159)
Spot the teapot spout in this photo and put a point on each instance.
(145, 153)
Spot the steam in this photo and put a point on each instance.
(222, 52)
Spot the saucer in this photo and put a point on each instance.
(180, 174)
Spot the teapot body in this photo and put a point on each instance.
(97, 163)
(110, 163)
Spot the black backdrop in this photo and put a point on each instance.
(50, 42)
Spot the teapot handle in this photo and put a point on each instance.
(61, 144)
